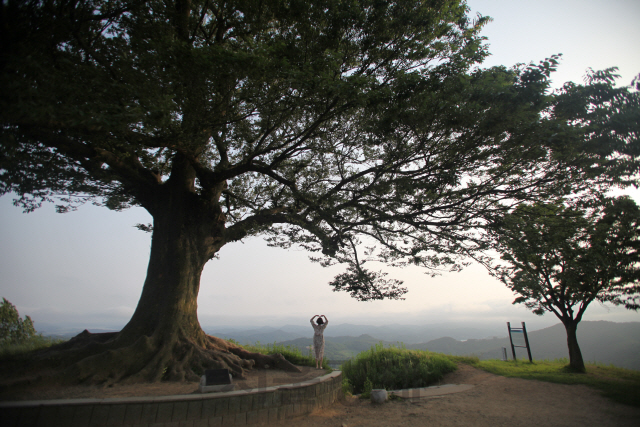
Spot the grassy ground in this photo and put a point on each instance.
(291, 353)
(618, 384)
(397, 368)
(15, 351)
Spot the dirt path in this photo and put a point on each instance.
(494, 401)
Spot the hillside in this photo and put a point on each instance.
(605, 342)
(338, 349)
(408, 334)
(264, 335)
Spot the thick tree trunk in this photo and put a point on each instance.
(169, 299)
(576, 363)
(164, 340)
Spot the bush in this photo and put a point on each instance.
(395, 368)
(13, 329)
(18, 336)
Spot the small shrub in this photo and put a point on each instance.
(395, 368)
(366, 389)
(347, 388)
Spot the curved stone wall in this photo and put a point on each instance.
(234, 408)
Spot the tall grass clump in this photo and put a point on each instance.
(394, 368)
(290, 353)
(17, 350)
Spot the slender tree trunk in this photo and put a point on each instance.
(575, 355)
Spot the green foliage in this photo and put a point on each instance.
(14, 329)
(563, 257)
(232, 341)
(347, 388)
(621, 385)
(332, 125)
(366, 389)
(395, 368)
(291, 353)
(18, 336)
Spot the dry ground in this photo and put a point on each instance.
(494, 401)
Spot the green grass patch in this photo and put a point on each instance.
(619, 384)
(393, 368)
(467, 360)
(291, 353)
(16, 351)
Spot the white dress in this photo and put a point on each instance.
(318, 338)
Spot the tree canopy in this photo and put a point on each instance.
(361, 131)
(562, 258)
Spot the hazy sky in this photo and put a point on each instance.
(86, 268)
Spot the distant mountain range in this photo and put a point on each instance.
(408, 334)
(603, 342)
(600, 341)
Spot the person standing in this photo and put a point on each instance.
(318, 337)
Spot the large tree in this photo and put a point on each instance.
(560, 259)
(358, 130)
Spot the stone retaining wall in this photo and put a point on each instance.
(234, 408)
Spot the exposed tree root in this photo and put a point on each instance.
(108, 358)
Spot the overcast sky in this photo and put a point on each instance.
(85, 269)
